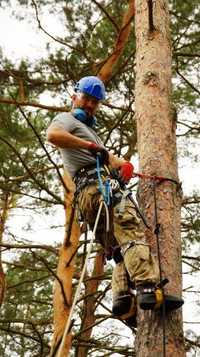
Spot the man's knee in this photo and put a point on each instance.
(140, 264)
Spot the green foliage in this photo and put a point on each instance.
(26, 315)
(23, 158)
(185, 20)
(191, 223)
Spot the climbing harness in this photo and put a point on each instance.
(105, 189)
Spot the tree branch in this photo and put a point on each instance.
(32, 104)
(107, 68)
(54, 274)
(43, 187)
(28, 195)
(64, 43)
(107, 14)
(44, 148)
(186, 80)
(29, 246)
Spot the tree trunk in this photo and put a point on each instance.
(88, 319)
(156, 128)
(63, 285)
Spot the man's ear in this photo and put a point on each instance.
(73, 98)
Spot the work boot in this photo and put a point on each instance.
(125, 307)
(121, 303)
(150, 297)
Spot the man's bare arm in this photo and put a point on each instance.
(63, 139)
(115, 162)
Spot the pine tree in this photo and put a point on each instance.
(158, 156)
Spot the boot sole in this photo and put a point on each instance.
(148, 302)
(122, 305)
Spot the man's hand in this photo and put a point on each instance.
(126, 171)
(100, 151)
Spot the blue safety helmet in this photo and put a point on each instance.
(91, 85)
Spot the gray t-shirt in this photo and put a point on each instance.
(75, 159)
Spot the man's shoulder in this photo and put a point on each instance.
(64, 120)
(63, 116)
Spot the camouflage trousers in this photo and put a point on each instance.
(138, 265)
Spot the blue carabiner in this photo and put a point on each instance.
(103, 188)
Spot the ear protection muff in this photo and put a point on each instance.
(81, 115)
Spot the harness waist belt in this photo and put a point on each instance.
(87, 176)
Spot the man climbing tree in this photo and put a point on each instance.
(82, 150)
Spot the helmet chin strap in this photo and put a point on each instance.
(81, 115)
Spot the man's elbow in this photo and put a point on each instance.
(52, 137)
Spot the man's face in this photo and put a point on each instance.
(86, 102)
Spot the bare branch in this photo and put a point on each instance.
(181, 54)
(192, 343)
(28, 195)
(29, 246)
(32, 104)
(107, 15)
(44, 148)
(186, 80)
(53, 37)
(54, 274)
(42, 186)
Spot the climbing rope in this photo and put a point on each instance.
(159, 292)
(154, 177)
(157, 231)
(67, 326)
(105, 191)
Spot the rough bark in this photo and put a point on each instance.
(157, 156)
(91, 287)
(63, 287)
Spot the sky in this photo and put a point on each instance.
(23, 39)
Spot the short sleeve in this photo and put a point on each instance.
(63, 121)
